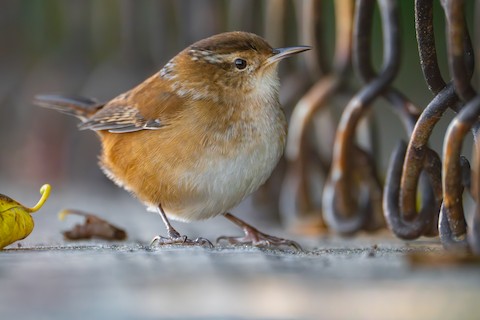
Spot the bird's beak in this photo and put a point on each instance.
(281, 53)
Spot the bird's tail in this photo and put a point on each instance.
(80, 107)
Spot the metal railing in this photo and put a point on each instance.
(423, 192)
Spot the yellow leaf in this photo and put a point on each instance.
(16, 223)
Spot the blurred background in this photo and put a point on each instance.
(102, 48)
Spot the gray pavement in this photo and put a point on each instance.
(364, 277)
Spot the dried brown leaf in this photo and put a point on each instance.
(94, 227)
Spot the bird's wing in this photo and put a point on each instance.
(120, 118)
(149, 106)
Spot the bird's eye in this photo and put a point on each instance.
(240, 64)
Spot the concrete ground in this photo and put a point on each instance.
(364, 277)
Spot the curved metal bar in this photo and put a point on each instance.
(417, 149)
(421, 222)
(452, 220)
(449, 241)
(415, 156)
(407, 111)
(362, 40)
(473, 232)
(460, 50)
(452, 172)
(340, 204)
(312, 31)
(295, 186)
(370, 195)
(404, 220)
(303, 112)
(426, 45)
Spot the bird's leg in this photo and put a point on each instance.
(174, 236)
(254, 237)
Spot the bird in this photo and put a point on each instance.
(197, 137)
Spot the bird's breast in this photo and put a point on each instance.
(236, 161)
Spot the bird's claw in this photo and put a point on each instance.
(180, 240)
(203, 242)
(259, 239)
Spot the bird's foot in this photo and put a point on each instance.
(256, 238)
(174, 238)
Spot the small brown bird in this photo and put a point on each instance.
(196, 138)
